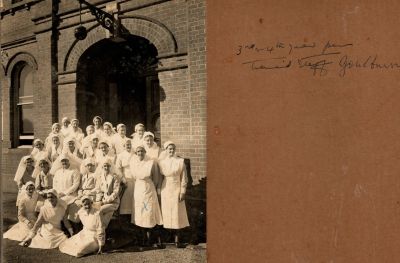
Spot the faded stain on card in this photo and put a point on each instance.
(344, 17)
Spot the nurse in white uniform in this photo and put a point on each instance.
(173, 191)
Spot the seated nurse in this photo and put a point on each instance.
(26, 214)
(91, 238)
(47, 233)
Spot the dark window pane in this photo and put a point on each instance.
(27, 119)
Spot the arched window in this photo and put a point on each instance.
(23, 79)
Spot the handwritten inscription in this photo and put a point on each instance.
(262, 63)
(319, 59)
(371, 62)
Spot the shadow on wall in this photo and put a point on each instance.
(163, 96)
(196, 208)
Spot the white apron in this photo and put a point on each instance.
(153, 152)
(127, 198)
(50, 234)
(78, 135)
(67, 181)
(146, 206)
(54, 153)
(88, 239)
(175, 181)
(118, 143)
(26, 214)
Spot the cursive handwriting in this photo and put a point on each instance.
(317, 63)
(319, 59)
(288, 48)
(321, 55)
(268, 64)
(254, 48)
(301, 46)
(333, 45)
(370, 62)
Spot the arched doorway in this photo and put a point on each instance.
(117, 81)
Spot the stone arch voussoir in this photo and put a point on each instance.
(157, 33)
(19, 57)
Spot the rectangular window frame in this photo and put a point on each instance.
(23, 136)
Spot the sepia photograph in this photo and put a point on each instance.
(103, 130)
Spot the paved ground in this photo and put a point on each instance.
(123, 251)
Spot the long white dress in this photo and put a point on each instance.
(88, 239)
(118, 143)
(99, 131)
(122, 164)
(67, 181)
(86, 142)
(26, 177)
(76, 154)
(54, 152)
(26, 214)
(175, 182)
(65, 131)
(152, 152)
(146, 206)
(38, 155)
(89, 152)
(48, 233)
(78, 135)
(136, 140)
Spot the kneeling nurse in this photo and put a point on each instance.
(91, 238)
(47, 233)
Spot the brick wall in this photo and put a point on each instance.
(27, 53)
(176, 27)
(67, 101)
(16, 27)
(43, 98)
(172, 14)
(198, 95)
(9, 163)
(19, 41)
(175, 110)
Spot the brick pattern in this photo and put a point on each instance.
(76, 48)
(67, 101)
(172, 14)
(183, 107)
(9, 163)
(16, 27)
(28, 54)
(43, 97)
(18, 57)
(198, 94)
(175, 110)
(161, 39)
